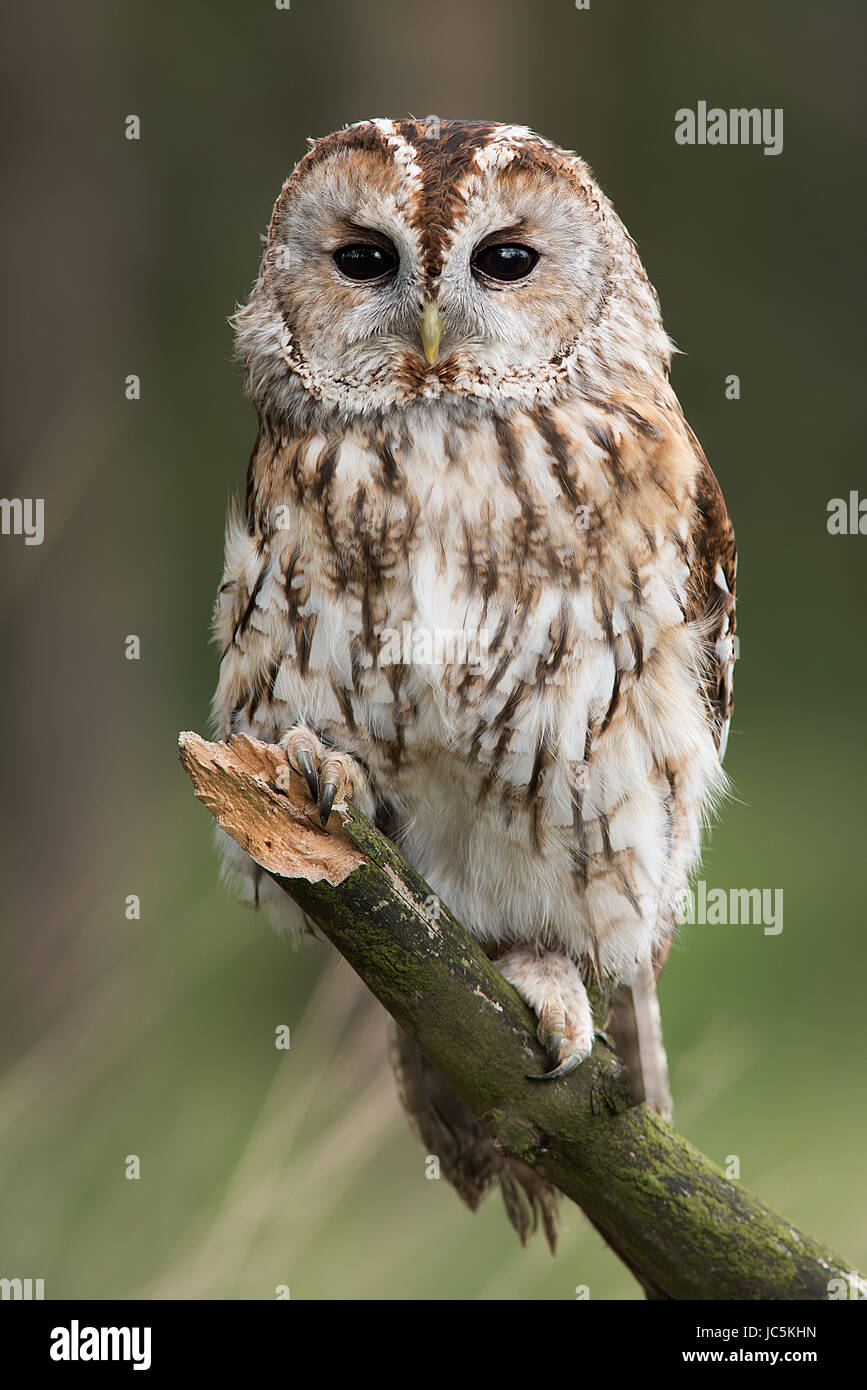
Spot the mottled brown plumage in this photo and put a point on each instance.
(484, 580)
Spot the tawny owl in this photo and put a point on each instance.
(484, 579)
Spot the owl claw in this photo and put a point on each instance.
(329, 791)
(563, 1056)
(552, 986)
(564, 1069)
(330, 776)
(305, 759)
(553, 1044)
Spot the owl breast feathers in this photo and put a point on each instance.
(482, 552)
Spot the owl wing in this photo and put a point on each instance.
(633, 1016)
(712, 593)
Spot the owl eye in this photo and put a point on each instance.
(364, 260)
(504, 260)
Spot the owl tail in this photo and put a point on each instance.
(449, 1131)
(635, 1025)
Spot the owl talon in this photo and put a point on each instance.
(337, 776)
(330, 776)
(553, 1046)
(552, 986)
(329, 792)
(304, 752)
(562, 1054)
(571, 1062)
(305, 759)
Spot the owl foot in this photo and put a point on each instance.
(330, 776)
(552, 986)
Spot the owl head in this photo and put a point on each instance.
(411, 261)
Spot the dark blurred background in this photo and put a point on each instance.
(155, 1037)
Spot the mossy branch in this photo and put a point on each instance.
(684, 1229)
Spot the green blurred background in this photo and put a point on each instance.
(155, 1037)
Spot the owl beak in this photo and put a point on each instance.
(431, 331)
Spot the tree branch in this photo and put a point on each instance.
(684, 1229)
